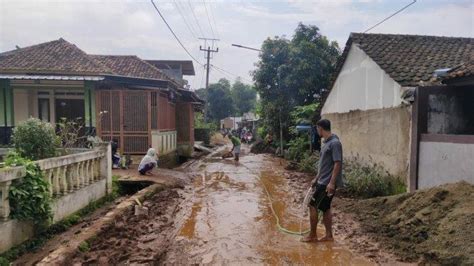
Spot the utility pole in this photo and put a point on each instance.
(207, 56)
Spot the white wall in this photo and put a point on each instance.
(21, 105)
(441, 163)
(361, 85)
(164, 142)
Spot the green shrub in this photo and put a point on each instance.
(365, 181)
(84, 246)
(297, 148)
(309, 163)
(29, 196)
(34, 139)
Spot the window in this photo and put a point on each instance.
(43, 110)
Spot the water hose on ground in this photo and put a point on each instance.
(275, 215)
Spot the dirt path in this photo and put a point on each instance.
(229, 220)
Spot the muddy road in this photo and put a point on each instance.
(228, 219)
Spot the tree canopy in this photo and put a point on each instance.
(293, 72)
(224, 100)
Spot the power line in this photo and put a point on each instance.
(208, 19)
(174, 34)
(184, 19)
(195, 18)
(387, 18)
(214, 20)
(229, 73)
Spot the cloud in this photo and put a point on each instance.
(134, 27)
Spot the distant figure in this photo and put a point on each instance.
(269, 139)
(235, 147)
(115, 154)
(315, 139)
(148, 162)
(324, 185)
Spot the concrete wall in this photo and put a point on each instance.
(443, 162)
(21, 105)
(451, 113)
(13, 233)
(164, 142)
(376, 136)
(361, 85)
(70, 203)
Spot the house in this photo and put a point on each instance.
(116, 97)
(383, 105)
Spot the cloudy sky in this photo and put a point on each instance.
(122, 27)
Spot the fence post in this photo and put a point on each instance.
(106, 166)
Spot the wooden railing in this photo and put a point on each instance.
(65, 174)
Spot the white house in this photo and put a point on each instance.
(370, 101)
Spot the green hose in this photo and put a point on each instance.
(279, 226)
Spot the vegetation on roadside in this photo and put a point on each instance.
(38, 241)
(29, 196)
(35, 140)
(368, 181)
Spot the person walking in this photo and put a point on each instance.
(329, 177)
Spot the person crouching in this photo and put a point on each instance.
(148, 163)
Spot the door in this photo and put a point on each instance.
(125, 116)
(71, 110)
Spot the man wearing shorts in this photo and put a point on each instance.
(324, 185)
(235, 147)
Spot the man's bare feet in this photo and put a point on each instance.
(326, 239)
(309, 238)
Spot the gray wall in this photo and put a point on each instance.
(443, 162)
(379, 136)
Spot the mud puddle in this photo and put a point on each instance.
(229, 220)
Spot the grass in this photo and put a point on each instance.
(38, 241)
(368, 181)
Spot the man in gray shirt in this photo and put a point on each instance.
(324, 185)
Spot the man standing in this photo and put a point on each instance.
(328, 179)
(235, 147)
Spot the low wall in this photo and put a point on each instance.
(379, 136)
(164, 142)
(75, 181)
(444, 160)
(13, 233)
(70, 203)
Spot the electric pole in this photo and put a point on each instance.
(207, 56)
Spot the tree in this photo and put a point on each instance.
(292, 73)
(218, 100)
(244, 97)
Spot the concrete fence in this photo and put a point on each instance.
(75, 180)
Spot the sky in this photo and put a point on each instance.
(126, 27)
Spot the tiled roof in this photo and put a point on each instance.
(131, 66)
(411, 59)
(57, 56)
(62, 57)
(463, 70)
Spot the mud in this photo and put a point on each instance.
(433, 226)
(229, 221)
(347, 229)
(135, 239)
